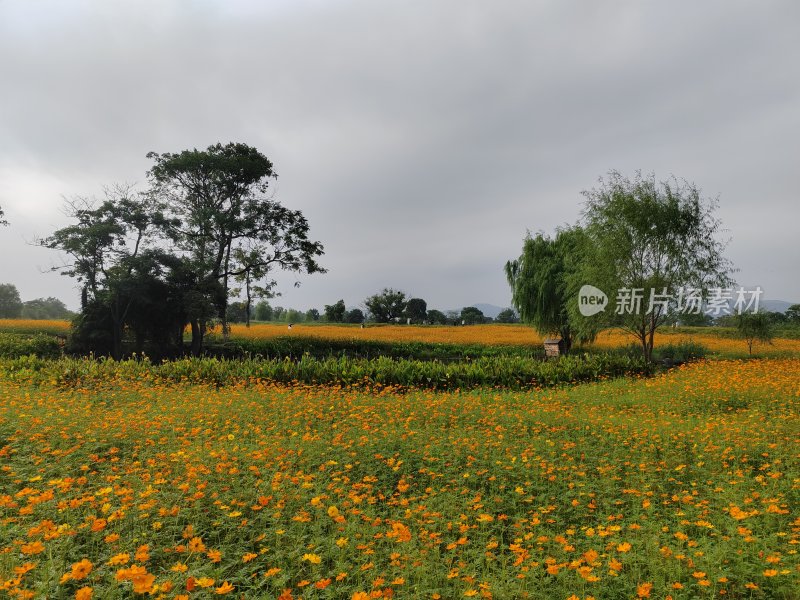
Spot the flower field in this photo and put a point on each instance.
(508, 335)
(34, 326)
(682, 486)
(485, 335)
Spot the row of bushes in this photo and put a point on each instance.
(15, 345)
(295, 347)
(680, 352)
(505, 371)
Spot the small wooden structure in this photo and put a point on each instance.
(554, 348)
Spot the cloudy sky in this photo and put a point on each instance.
(421, 139)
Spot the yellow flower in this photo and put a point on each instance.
(314, 559)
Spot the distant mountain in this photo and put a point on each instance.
(775, 305)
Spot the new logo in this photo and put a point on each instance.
(591, 300)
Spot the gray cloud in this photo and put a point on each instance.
(420, 139)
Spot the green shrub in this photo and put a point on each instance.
(509, 372)
(14, 345)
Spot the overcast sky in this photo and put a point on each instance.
(421, 139)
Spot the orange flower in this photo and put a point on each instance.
(644, 589)
(36, 547)
(119, 559)
(84, 593)
(400, 532)
(360, 596)
(81, 569)
(214, 555)
(143, 553)
(98, 525)
(143, 583)
(196, 545)
(223, 589)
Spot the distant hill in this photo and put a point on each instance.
(775, 305)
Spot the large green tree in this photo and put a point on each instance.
(228, 225)
(793, 314)
(334, 313)
(471, 315)
(111, 250)
(539, 281)
(416, 310)
(646, 240)
(387, 306)
(10, 303)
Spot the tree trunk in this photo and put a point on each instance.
(197, 341)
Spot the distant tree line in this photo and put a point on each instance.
(12, 307)
(387, 306)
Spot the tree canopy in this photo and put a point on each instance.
(334, 313)
(387, 306)
(539, 281)
(204, 223)
(655, 237)
(10, 302)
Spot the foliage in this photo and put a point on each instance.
(608, 490)
(237, 312)
(644, 235)
(354, 316)
(507, 315)
(263, 311)
(512, 372)
(46, 309)
(436, 317)
(793, 314)
(296, 345)
(334, 313)
(312, 314)
(10, 303)
(204, 224)
(752, 327)
(472, 316)
(15, 345)
(539, 281)
(416, 310)
(388, 306)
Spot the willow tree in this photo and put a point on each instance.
(539, 281)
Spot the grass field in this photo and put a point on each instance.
(683, 486)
